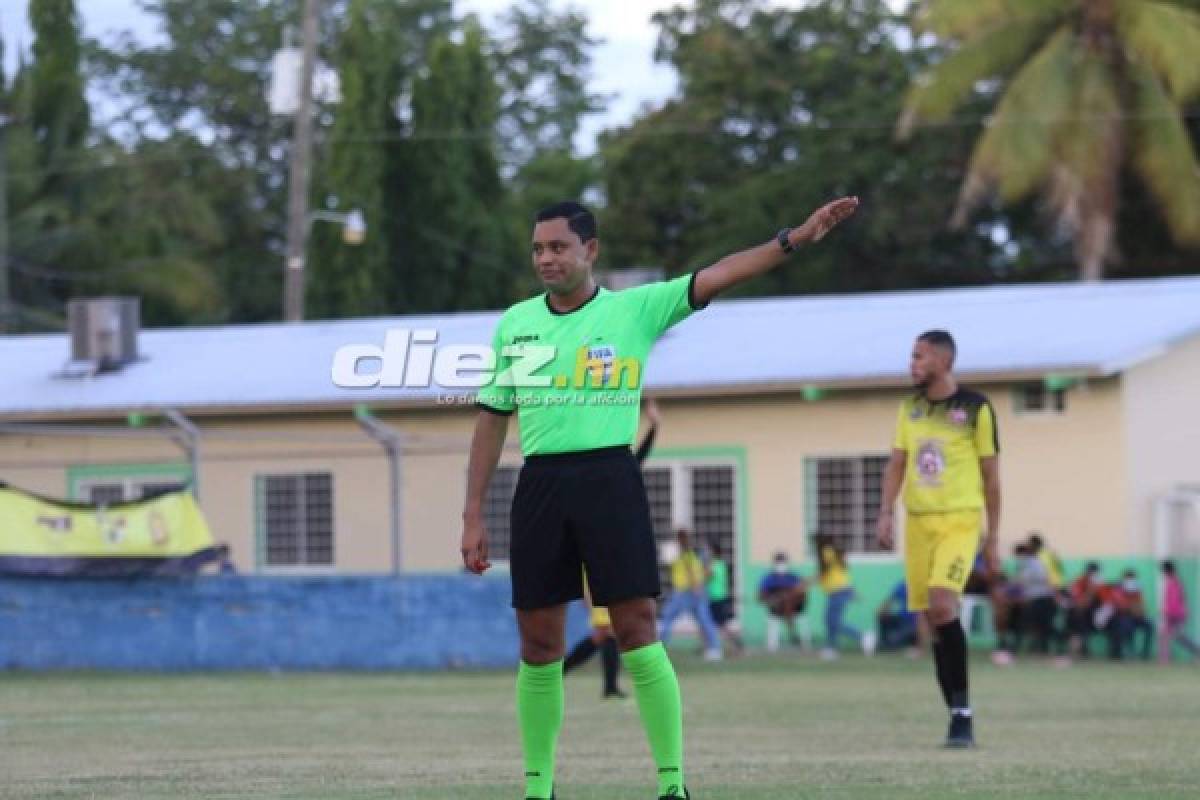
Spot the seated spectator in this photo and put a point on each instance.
(1128, 619)
(1005, 597)
(785, 594)
(1081, 611)
(976, 592)
(897, 625)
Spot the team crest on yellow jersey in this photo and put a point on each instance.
(931, 462)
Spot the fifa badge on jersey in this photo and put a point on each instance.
(600, 361)
(914, 414)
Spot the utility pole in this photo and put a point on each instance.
(301, 158)
(6, 314)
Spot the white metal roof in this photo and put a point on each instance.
(736, 345)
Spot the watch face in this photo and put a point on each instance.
(784, 242)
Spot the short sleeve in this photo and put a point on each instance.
(987, 438)
(667, 303)
(900, 439)
(499, 396)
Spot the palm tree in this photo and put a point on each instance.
(1088, 87)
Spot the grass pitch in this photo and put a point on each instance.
(756, 728)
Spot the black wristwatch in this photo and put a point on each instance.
(784, 242)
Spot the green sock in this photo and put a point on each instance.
(658, 700)
(540, 714)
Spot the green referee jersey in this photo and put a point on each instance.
(575, 378)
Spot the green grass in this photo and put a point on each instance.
(759, 728)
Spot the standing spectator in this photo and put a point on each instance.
(688, 581)
(1174, 616)
(785, 594)
(835, 582)
(1040, 603)
(720, 599)
(1050, 560)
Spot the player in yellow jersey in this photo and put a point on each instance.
(946, 457)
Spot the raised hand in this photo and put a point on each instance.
(823, 220)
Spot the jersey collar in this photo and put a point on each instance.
(558, 313)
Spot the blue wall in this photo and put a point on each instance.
(255, 623)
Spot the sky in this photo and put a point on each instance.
(623, 67)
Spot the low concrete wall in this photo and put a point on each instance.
(256, 623)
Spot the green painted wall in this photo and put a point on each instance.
(874, 581)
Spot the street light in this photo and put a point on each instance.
(354, 224)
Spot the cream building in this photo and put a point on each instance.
(777, 416)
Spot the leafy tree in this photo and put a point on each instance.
(1093, 91)
(779, 111)
(451, 251)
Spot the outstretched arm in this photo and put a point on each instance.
(740, 267)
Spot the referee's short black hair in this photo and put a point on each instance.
(942, 339)
(579, 219)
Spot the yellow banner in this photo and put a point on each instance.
(167, 526)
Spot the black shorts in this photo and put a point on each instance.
(575, 510)
(721, 610)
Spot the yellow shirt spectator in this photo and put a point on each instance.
(687, 573)
(834, 575)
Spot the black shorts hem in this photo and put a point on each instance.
(624, 595)
(536, 604)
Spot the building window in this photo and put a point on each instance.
(295, 519)
(124, 483)
(497, 510)
(843, 496)
(103, 492)
(712, 508)
(1035, 398)
(699, 497)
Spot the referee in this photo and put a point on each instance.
(946, 456)
(580, 501)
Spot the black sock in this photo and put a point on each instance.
(939, 666)
(612, 663)
(580, 653)
(954, 656)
